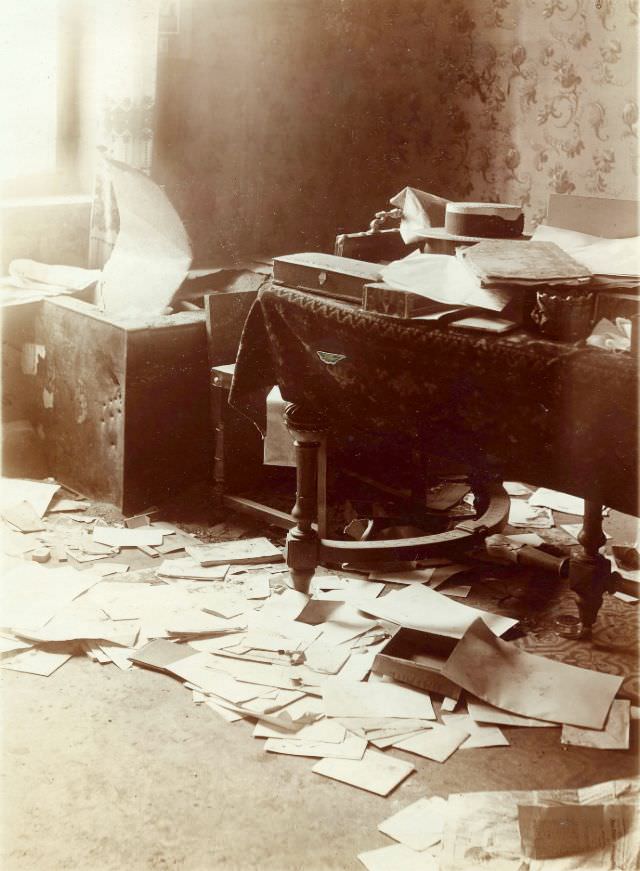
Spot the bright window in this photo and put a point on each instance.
(29, 86)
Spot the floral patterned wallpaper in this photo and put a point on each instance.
(288, 121)
(542, 98)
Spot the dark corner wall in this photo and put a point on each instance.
(282, 121)
(294, 118)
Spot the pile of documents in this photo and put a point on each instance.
(305, 669)
(594, 829)
(504, 263)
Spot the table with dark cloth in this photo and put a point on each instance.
(556, 415)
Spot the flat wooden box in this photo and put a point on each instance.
(124, 404)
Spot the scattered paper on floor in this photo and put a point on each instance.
(375, 772)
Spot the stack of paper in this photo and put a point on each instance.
(499, 263)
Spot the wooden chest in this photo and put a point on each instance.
(123, 403)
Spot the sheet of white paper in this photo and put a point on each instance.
(602, 256)
(325, 731)
(523, 514)
(37, 493)
(248, 551)
(286, 605)
(516, 488)
(255, 672)
(533, 686)
(152, 254)
(119, 656)
(353, 590)
(557, 501)
(35, 661)
(418, 825)
(375, 772)
(197, 670)
(481, 712)
(413, 576)
(419, 607)
(444, 279)
(343, 698)
(461, 591)
(188, 568)
(113, 536)
(625, 597)
(479, 736)
(351, 748)
(357, 667)
(31, 594)
(398, 857)
(614, 736)
(437, 744)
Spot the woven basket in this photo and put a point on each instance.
(563, 315)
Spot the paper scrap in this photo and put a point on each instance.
(479, 736)
(481, 712)
(115, 536)
(375, 772)
(189, 569)
(557, 501)
(515, 488)
(343, 698)
(411, 576)
(533, 686)
(37, 661)
(351, 748)
(249, 551)
(418, 825)
(31, 594)
(398, 857)
(152, 242)
(37, 493)
(614, 735)
(22, 517)
(419, 607)
(437, 744)
(521, 513)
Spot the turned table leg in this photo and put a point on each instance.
(590, 571)
(302, 540)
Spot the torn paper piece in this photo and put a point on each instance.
(115, 536)
(37, 661)
(161, 654)
(557, 501)
(22, 517)
(505, 676)
(325, 731)
(226, 714)
(357, 667)
(286, 605)
(188, 569)
(119, 656)
(152, 254)
(351, 748)
(342, 698)
(73, 628)
(105, 569)
(438, 743)
(614, 736)
(515, 488)
(64, 505)
(30, 594)
(255, 672)
(625, 597)
(37, 493)
(326, 582)
(339, 621)
(353, 590)
(325, 658)
(481, 712)
(375, 772)
(521, 513)
(412, 576)
(419, 607)
(418, 825)
(396, 857)
(479, 736)
(461, 591)
(248, 551)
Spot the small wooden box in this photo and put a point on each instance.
(124, 404)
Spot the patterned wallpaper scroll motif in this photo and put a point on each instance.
(541, 97)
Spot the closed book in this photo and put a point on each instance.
(508, 262)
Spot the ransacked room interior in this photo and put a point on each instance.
(319, 496)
